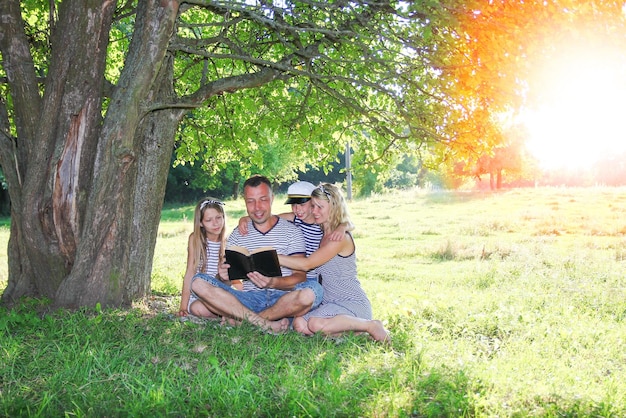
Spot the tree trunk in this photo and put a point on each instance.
(157, 136)
(85, 220)
(236, 185)
(130, 159)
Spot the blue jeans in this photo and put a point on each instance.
(259, 300)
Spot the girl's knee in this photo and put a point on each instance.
(198, 309)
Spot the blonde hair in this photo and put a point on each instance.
(198, 240)
(338, 213)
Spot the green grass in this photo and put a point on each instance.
(499, 304)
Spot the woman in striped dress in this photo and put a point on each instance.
(345, 306)
(205, 250)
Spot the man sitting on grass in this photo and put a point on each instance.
(264, 301)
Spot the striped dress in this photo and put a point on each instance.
(343, 294)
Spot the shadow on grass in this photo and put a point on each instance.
(133, 362)
(138, 363)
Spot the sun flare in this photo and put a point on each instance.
(582, 112)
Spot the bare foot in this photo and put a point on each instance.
(230, 321)
(302, 326)
(276, 327)
(378, 332)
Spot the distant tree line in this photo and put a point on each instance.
(188, 183)
(503, 169)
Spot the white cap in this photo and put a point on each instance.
(299, 192)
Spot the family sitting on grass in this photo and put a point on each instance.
(315, 238)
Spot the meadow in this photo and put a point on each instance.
(499, 304)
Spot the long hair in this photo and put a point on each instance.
(338, 213)
(198, 240)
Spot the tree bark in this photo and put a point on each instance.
(84, 220)
(55, 153)
(125, 164)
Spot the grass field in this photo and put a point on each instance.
(499, 304)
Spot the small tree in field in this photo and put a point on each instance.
(95, 93)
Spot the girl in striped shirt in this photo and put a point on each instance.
(205, 250)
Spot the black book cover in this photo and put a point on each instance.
(264, 260)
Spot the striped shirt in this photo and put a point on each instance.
(213, 257)
(284, 236)
(312, 237)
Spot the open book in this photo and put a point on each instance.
(264, 260)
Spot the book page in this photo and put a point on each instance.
(239, 249)
(261, 249)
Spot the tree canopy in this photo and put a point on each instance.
(95, 96)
